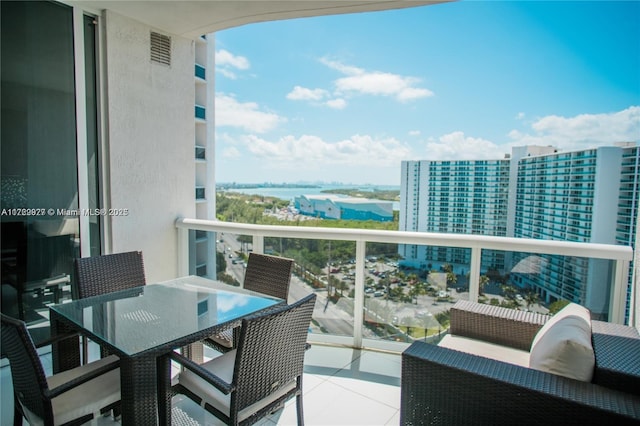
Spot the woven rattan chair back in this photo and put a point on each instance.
(105, 274)
(100, 275)
(270, 275)
(271, 354)
(27, 373)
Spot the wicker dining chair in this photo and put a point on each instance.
(248, 383)
(72, 397)
(270, 275)
(104, 274)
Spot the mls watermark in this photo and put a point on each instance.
(63, 212)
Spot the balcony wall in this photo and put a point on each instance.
(149, 160)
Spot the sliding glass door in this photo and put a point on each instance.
(39, 175)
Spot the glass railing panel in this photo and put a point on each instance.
(399, 292)
(545, 283)
(200, 112)
(200, 193)
(200, 72)
(326, 268)
(408, 297)
(232, 251)
(200, 153)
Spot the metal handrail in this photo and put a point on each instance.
(621, 255)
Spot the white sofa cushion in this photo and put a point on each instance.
(486, 349)
(563, 345)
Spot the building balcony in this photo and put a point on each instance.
(200, 72)
(200, 112)
(200, 193)
(348, 380)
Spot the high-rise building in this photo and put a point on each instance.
(460, 197)
(537, 192)
(202, 243)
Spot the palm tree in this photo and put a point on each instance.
(509, 292)
(417, 289)
(451, 279)
(484, 280)
(531, 298)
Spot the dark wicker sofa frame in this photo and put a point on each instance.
(441, 386)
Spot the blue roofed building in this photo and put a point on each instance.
(347, 208)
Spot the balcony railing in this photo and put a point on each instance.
(618, 256)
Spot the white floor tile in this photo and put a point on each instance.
(331, 404)
(342, 387)
(376, 392)
(395, 420)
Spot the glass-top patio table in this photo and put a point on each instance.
(142, 324)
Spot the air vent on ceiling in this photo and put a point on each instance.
(160, 48)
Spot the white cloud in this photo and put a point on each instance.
(582, 131)
(520, 116)
(231, 152)
(338, 103)
(303, 94)
(411, 93)
(227, 63)
(309, 151)
(414, 132)
(225, 58)
(248, 116)
(344, 69)
(382, 84)
(573, 133)
(227, 73)
(377, 83)
(457, 146)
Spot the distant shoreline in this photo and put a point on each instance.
(231, 186)
(289, 191)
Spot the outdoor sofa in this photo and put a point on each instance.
(451, 384)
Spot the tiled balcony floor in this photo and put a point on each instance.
(341, 387)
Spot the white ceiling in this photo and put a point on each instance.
(192, 19)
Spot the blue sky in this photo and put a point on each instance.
(346, 98)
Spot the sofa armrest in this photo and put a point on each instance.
(495, 324)
(447, 387)
(617, 351)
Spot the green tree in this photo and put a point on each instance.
(444, 317)
(452, 279)
(531, 298)
(509, 292)
(221, 263)
(557, 306)
(484, 280)
(396, 294)
(417, 288)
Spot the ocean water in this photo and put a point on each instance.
(289, 194)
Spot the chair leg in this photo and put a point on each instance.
(85, 350)
(299, 409)
(299, 401)
(17, 415)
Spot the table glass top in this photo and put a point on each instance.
(140, 319)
